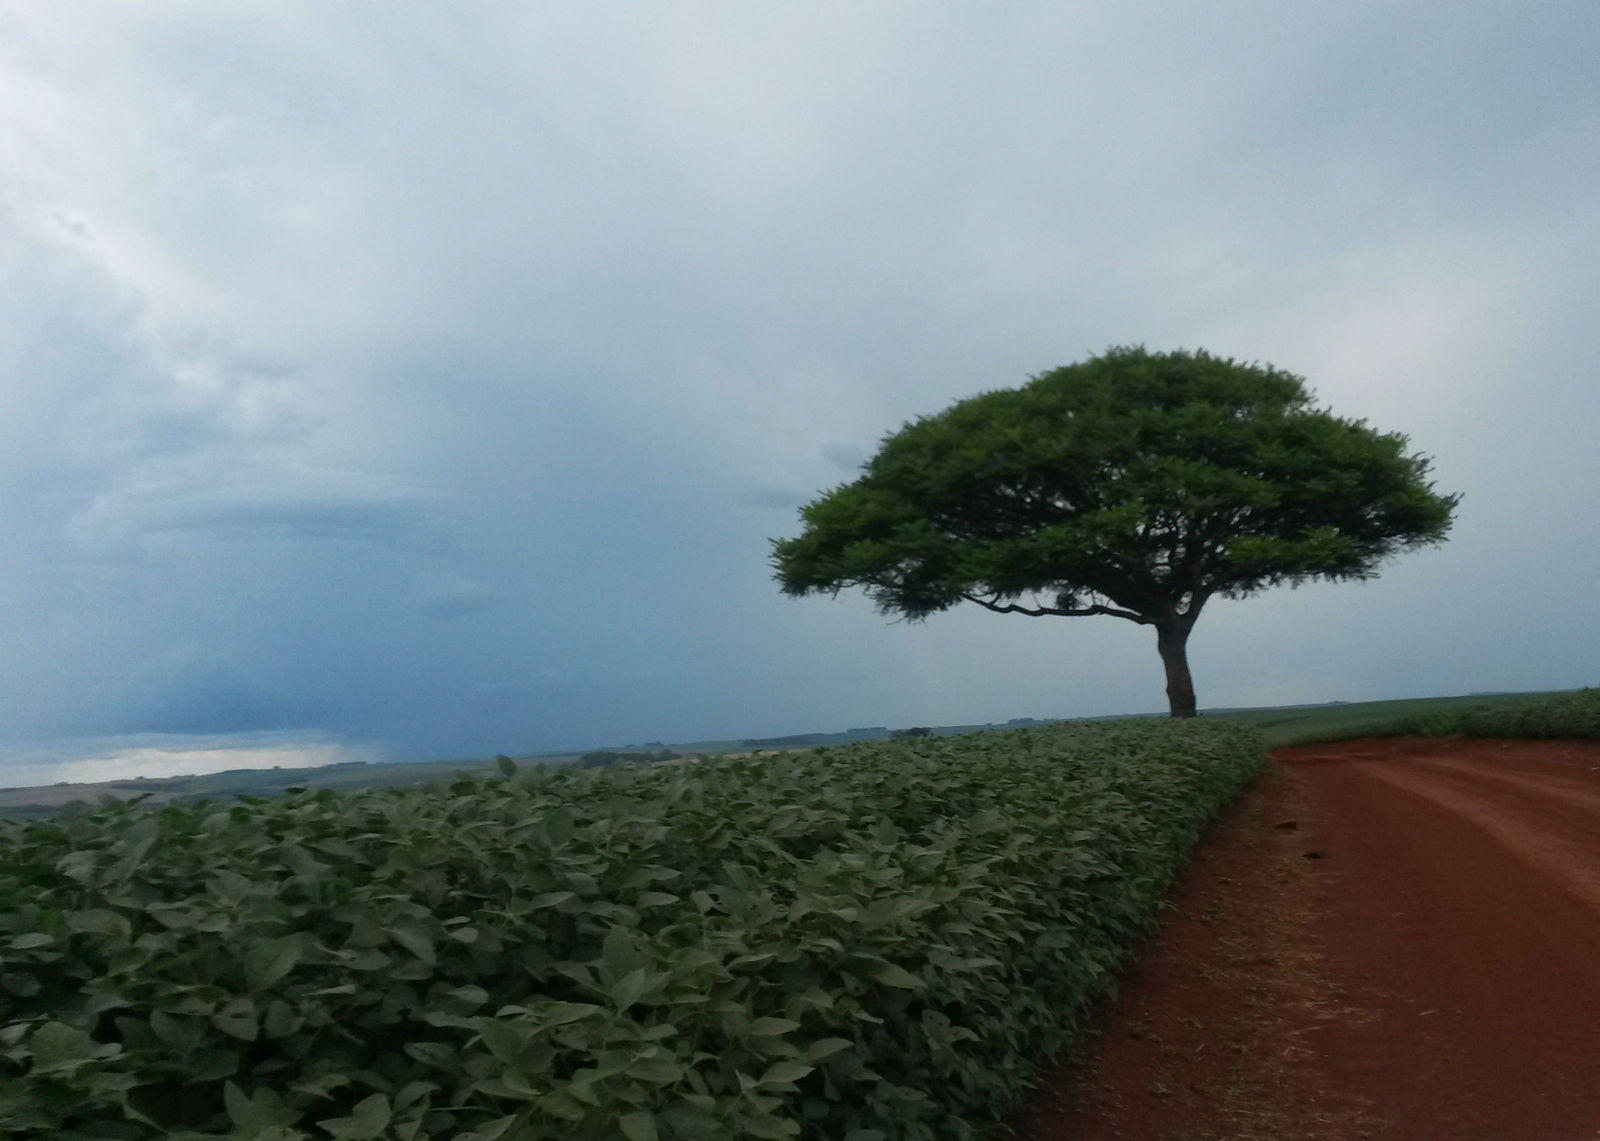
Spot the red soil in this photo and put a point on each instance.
(1431, 973)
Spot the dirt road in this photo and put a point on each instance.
(1396, 940)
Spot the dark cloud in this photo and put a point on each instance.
(438, 380)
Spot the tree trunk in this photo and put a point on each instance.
(1173, 642)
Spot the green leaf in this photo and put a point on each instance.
(766, 1026)
(563, 1105)
(985, 821)
(768, 1127)
(619, 953)
(826, 1047)
(503, 1041)
(280, 1020)
(367, 1120)
(134, 846)
(415, 941)
(658, 1071)
(432, 1053)
(214, 1065)
(507, 766)
(371, 1116)
(268, 960)
(342, 988)
(490, 1131)
(180, 1035)
(321, 1086)
(638, 1126)
(413, 1092)
(19, 983)
(628, 989)
(237, 1018)
(256, 1113)
(56, 1044)
(95, 921)
(560, 1013)
(783, 1072)
(694, 1124)
(241, 1110)
(558, 827)
(891, 975)
(30, 940)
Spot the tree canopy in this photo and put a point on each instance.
(1133, 484)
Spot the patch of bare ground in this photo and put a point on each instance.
(1395, 940)
(1207, 1039)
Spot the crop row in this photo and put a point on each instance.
(865, 943)
(1575, 714)
(1571, 715)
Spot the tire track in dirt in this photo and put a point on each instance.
(1552, 826)
(1433, 975)
(1458, 911)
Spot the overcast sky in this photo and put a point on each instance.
(427, 380)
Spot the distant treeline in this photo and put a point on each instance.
(785, 742)
(602, 757)
(798, 740)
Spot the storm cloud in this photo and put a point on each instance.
(431, 379)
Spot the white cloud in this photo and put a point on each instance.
(93, 761)
(321, 325)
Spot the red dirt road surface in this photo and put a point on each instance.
(1396, 940)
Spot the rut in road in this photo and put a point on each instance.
(1550, 823)
(1434, 976)
(1462, 915)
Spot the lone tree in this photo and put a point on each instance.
(1133, 484)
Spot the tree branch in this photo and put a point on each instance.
(994, 604)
